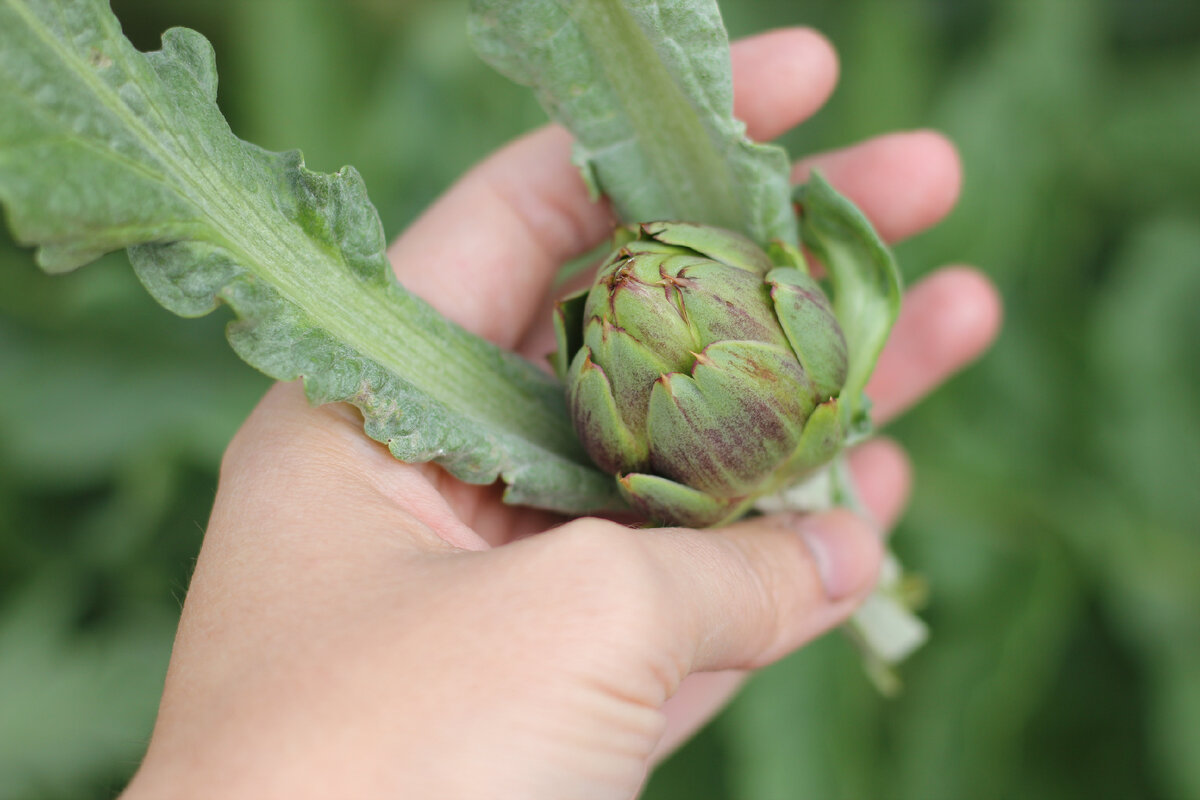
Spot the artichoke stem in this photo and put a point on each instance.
(885, 628)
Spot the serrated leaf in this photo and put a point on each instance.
(866, 282)
(647, 90)
(103, 147)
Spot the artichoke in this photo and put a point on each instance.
(702, 371)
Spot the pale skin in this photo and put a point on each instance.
(362, 628)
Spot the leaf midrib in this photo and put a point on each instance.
(708, 193)
(344, 293)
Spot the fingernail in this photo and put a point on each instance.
(844, 548)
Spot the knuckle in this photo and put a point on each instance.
(612, 574)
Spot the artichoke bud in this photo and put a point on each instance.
(702, 372)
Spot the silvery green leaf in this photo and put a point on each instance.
(646, 89)
(103, 147)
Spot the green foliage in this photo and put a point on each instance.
(1055, 513)
(652, 115)
(106, 148)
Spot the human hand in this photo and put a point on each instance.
(359, 627)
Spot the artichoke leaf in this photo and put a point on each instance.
(811, 328)
(726, 428)
(568, 331)
(714, 244)
(597, 420)
(656, 497)
(866, 284)
(103, 147)
(647, 91)
(819, 443)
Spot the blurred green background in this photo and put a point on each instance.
(1057, 505)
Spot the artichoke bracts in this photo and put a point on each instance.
(702, 371)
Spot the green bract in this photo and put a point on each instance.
(701, 371)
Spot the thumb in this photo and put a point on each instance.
(757, 590)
